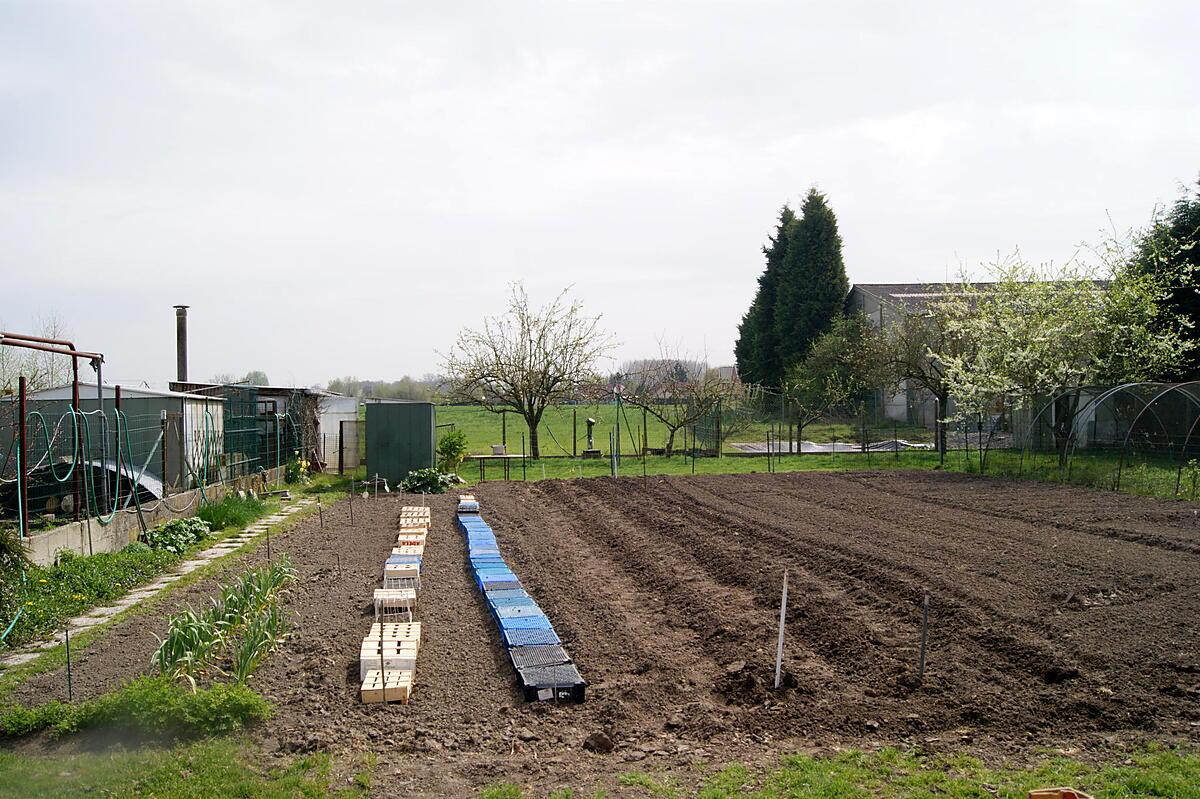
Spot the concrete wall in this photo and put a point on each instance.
(125, 528)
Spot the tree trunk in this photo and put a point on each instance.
(670, 440)
(534, 451)
(939, 426)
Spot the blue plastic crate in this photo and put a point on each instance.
(525, 623)
(511, 602)
(518, 611)
(502, 585)
(512, 593)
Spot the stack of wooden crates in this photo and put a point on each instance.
(387, 663)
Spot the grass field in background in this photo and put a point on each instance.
(1093, 470)
(556, 433)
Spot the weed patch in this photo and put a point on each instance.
(232, 511)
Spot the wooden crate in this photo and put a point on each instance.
(410, 541)
(388, 686)
(393, 656)
(409, 550)
(411, 570)
(395, 604)
(394, 631)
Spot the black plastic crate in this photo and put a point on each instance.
(525, 656)
(552, 683)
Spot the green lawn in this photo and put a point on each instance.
(894, 774)
(212, 768)
(1092, 470)
(564, 428)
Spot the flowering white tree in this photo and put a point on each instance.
(1036, 332)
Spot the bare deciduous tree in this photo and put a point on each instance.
(676, 390)
(527, 359)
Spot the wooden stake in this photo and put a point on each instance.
(779, 644)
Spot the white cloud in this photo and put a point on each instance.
(312, 178)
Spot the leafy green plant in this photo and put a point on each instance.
(232, 511)
(263, 634)
(428, 481)
(248, 607)
(190, 644)
(451, 450)
(178, 534)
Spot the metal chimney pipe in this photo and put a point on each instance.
(181, 343)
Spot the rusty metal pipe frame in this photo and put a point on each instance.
(56, 346)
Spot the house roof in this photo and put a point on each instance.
(911, 293)
(87, 393)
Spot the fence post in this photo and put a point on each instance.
(574, 432)
(720, 441)
(22, 458)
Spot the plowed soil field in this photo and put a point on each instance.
(1058, 618)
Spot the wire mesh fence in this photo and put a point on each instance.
(92, 458)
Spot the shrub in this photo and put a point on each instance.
(177, 535)
(451, 450)
(428, 481)
(296, 470)
(232, 511)
(12, 554)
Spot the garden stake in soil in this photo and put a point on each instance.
(924, 637)
(70, 687)
(779, 643)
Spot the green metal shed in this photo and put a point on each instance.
(401, 436)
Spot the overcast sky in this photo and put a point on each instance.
(337, 188)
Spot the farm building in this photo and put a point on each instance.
(883, 304)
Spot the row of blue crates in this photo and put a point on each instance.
(544, 669)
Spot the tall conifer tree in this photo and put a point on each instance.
(812, 285)
(757, 345)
